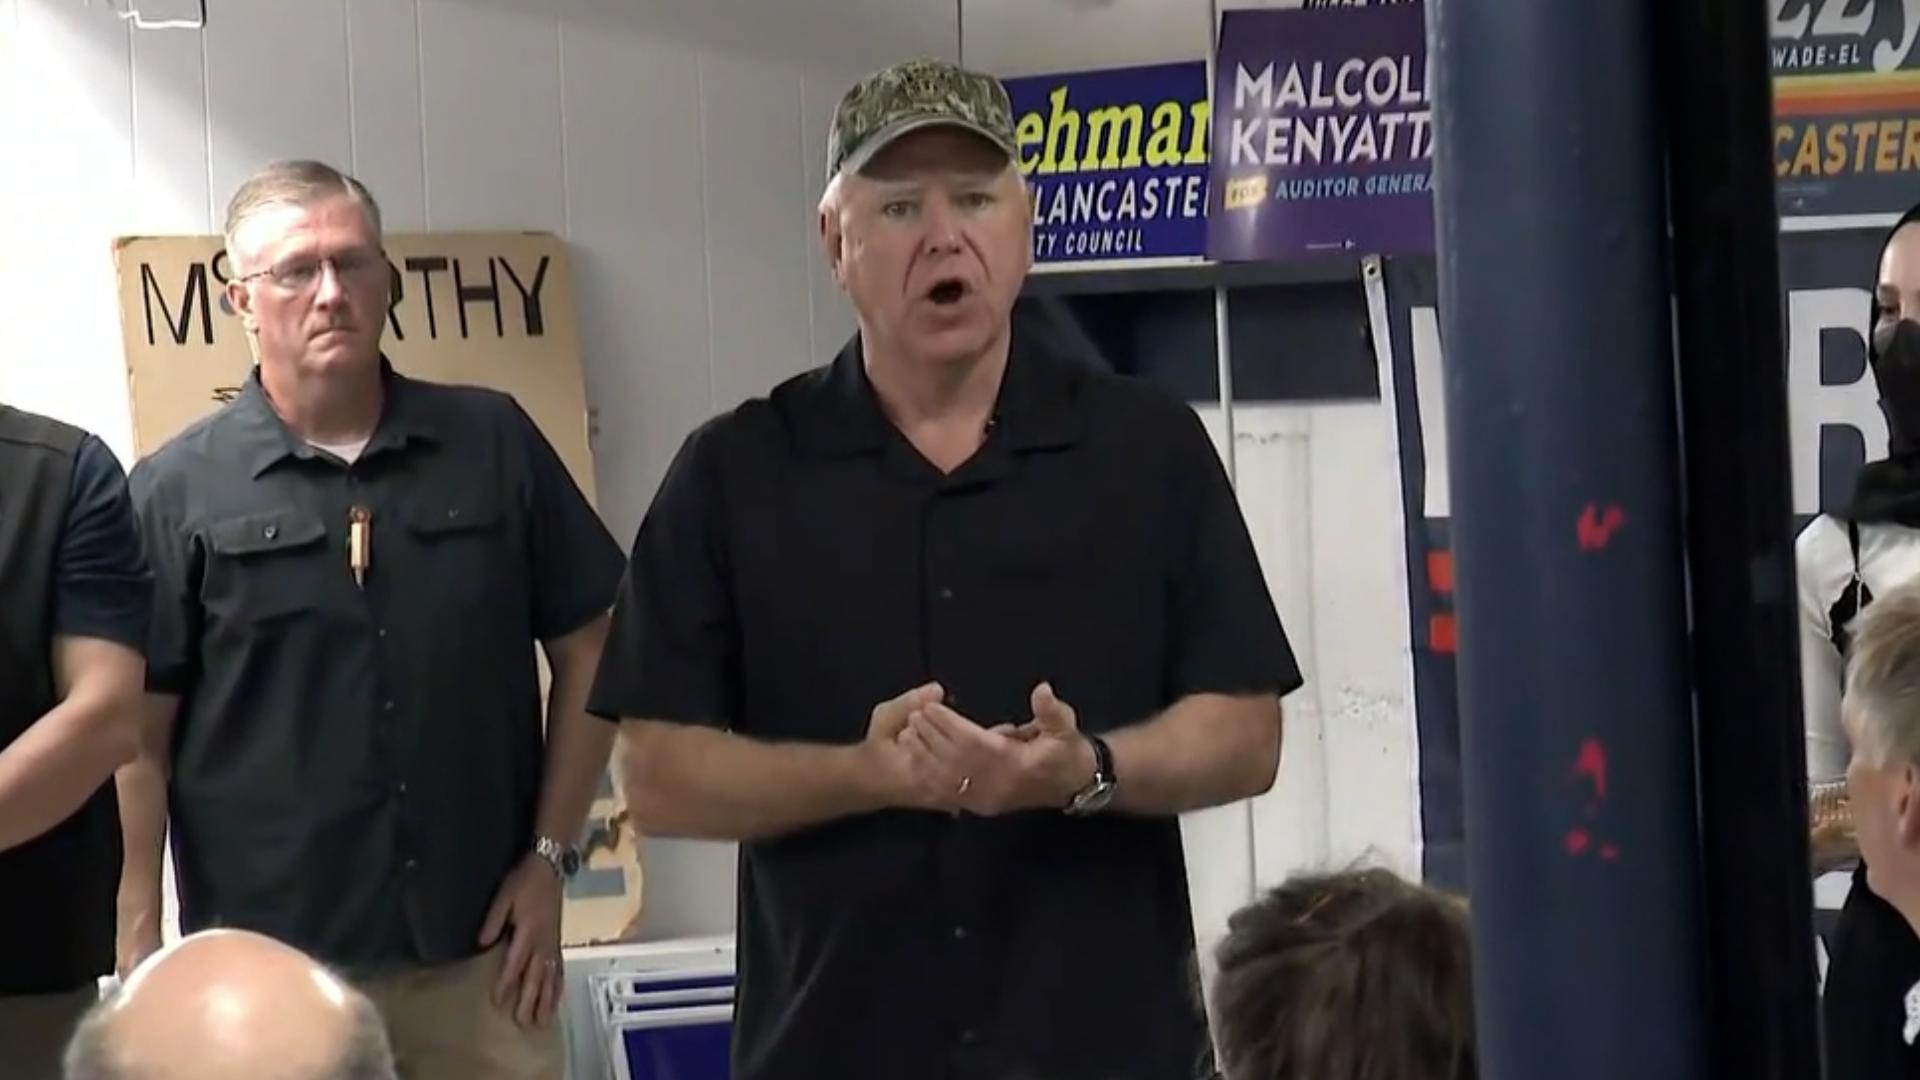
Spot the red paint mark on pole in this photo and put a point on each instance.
(1578, 842)
(1596, 527)
(1443, 634)
(1592, 764)
(1440, 571)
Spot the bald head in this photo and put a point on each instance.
(230, 1004)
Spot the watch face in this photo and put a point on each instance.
(1094, 799)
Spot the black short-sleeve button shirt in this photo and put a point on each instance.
(801, 563)
(357, 764)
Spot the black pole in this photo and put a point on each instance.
(1578, 759)
(1716, 99)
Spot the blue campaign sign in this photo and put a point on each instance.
(1115, 161)
(1324, 133)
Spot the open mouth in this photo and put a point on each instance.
(948, 292)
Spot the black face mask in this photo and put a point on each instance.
(1896, 371)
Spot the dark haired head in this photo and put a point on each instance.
(1350, 976)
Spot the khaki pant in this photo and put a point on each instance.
(34, 1031)
(444, 1026)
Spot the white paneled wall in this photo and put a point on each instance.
(679, 146)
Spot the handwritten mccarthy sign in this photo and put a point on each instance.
(490, 309)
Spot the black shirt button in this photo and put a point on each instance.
(946, 593)
(959, 933)
(382, 631)
(387, 705)
(969, 1036)
(413, 864)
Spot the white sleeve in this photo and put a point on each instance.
(1824, 564)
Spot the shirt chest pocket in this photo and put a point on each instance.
(263, 567)
(461, 547)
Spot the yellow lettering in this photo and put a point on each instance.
(1862, 134)
(1782, 134)
(1113, 120)
(1061, 120)
(1163, 146)
(1887, 158)
(1031, 131)
(1200, 116)
(1836, 150)
(1910, 153)
(1808, 159)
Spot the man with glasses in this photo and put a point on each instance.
(352, 570)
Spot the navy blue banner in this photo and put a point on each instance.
(1420, 429)
(1115, 161)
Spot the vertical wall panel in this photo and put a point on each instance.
(639, 247)
(1273, 461)
(276, 87)
(73, 137)
(757, 253)
(383, 66)
(1360, 635)
(170, 135)
(491, 115)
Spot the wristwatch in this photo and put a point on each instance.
(565, 860)
(1096, 795)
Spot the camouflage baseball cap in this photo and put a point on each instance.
(913, 95)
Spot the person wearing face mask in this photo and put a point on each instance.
(1844, 560)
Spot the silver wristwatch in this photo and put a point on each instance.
(564, 859)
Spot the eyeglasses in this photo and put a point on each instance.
(297, 275)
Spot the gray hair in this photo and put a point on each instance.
(295, 183)
(92, 1054)
(1883, 678)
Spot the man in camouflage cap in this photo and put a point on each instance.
(947, 633)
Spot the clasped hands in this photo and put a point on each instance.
(930, 757)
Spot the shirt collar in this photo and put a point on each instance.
(265, 440)
(1039, 406)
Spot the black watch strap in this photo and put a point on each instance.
(1099, 791)
(1102, 758)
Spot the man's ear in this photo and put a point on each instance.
(1906, 806)
(831, 240)
(240, 299)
